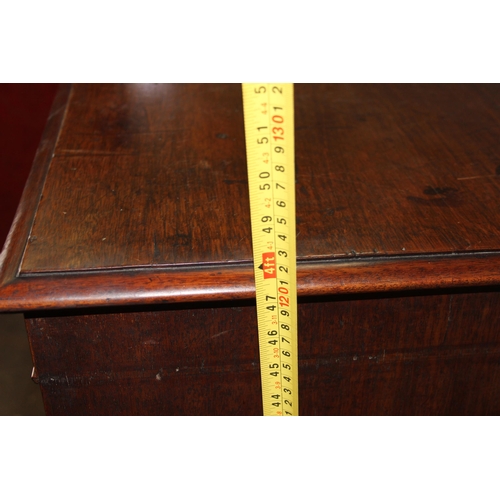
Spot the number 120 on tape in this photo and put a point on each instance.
(270, 145)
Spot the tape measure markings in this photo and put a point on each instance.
(269, 134)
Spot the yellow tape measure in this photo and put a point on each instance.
(270, 146)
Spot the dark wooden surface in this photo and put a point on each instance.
(396, 190)
(148, 175)
(415, 354)
(205, 283)
(138, 198)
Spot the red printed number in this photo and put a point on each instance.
(269, 265)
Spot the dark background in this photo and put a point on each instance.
(24, 109)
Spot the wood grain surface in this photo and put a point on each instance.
(407, 354)
(134, 234)
(396, 190)
(232, 282)
(147, 175)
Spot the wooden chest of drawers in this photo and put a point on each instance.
(131, 251)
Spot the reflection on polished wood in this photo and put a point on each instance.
(131, 251)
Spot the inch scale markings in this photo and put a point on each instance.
(270, 146)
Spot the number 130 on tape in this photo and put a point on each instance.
(270, 147)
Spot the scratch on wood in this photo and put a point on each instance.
(92, 153)
(476, 177)
(221, 333)
(448, 319)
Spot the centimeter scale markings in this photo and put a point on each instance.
(270, 146)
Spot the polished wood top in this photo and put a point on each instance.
(396, 184)
(146, 175)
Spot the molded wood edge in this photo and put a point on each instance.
(236, 282)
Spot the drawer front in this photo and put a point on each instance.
(425, 354)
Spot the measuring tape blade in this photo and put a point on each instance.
(270, 146)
